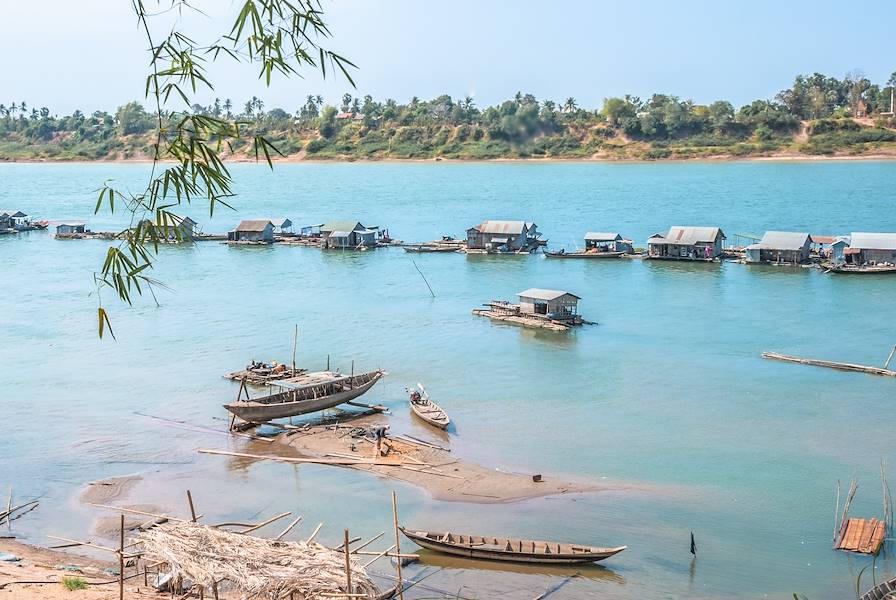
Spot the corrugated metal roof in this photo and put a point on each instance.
(253, 225)
(688, 236)
(70, 223)
(873, 241)
(783, 240)
(341, 226)
(512, 227)
(282, 222)
(546, 295)
(601, 236)
(340, 234)
(8, 212)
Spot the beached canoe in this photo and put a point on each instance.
(305, 394)
(581, 254)
(508, 549)
(428, 410)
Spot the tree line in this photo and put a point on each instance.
(659, 118)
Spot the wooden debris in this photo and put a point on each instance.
(863, 535)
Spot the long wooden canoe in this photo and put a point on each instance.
(862, 269)
(582, 254)
(509, 549)
(325, 390)
(428, 410)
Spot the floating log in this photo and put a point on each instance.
(830, 364)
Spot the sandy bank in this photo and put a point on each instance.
(444, 475)
(49, 567)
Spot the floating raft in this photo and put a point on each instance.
(520, 320)
(862, 535)
(830, 364)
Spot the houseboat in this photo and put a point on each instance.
(597, 245)
(556, 310)
(780, 248)
(687, 243)
(863, 252)
(504, 237)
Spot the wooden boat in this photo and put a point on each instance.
(581, 254)
(509, 549)
(428, 410)
(307, 393)
(862, 269)
(428, 248)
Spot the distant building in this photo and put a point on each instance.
(687, 243)
(607, 242)
(555, 304)
(347, 116)
(281, 225)
(780, 247)
(868, 248)
(257, 230)
(173, 228)
(347, 234)
(70, 227)
(310, 230)
(498, 235)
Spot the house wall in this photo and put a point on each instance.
(878, 256)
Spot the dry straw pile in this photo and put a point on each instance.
(255, 567)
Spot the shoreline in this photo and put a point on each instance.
(785, 157)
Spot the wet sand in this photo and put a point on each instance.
(440, 472)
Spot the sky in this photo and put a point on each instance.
(89, 54)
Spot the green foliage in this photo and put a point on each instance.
(73, 584)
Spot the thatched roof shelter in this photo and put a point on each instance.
(254, 567)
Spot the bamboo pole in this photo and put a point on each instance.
(268, 522)
(141, 512)
(192, 509)
(368, 542)
(836, 511)
(289, 527)
(397, 544)
(295, 343)
(121, 561)
(9, 511)
(889, 358)
(314, 533)
(378, 556)
(348, 565)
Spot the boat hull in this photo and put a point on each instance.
(259, 412)
(423, 539)
(863, 270)
(433, 415)
(584, 254)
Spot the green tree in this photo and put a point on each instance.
(133, 119)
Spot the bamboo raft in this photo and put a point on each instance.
(884, 371)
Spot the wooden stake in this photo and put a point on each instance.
(314, 533)
(9, 511)
(190, 500)
(295, 343)
(397, 544)
(348, 565)
(289, 527)
(268, 522)
(121, 561)
(215, 589)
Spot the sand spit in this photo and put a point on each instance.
(107, 490)
(444, 475)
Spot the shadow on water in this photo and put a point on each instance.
(594, 572)
(677, 267)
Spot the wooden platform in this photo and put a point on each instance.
(508, 317)
(862, 535)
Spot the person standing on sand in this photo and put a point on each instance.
(380, 434)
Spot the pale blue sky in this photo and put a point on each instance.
(88, 54)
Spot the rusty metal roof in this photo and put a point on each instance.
(679, 235)
(507, 227)
(253, 225)
(546, 295)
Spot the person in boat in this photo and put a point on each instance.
(415, 396)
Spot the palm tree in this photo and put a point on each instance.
(248, 108)
(319, 99)
(259, 105)
(22, 108)
(518, 98)
(3, 110)
(227, 106)
(570, 105)
(12, 110)
(217, 109)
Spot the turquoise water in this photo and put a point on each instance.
(667, 396)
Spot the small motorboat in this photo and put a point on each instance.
(509, 549)
(426, 409)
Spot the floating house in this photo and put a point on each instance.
(780, 247)
(282, 225)
(13, 219)
(870, 249)
(687, 243)
(70, 227)
(173, 228)
(347, 234)
(556, 310)
(253, 230)
(607, 242)
(503, 236)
